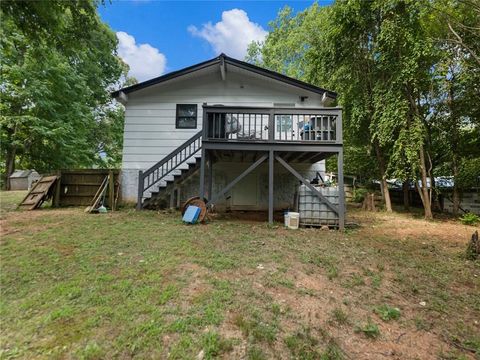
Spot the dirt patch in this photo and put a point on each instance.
(8, 222)
(394, 343)
(230, 331)
(406, 227)
(314, 310)
(247, 216)
(196, 277)
(314, 282)
(16, 221)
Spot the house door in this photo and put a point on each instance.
(245, 193)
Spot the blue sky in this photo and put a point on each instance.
(157, 37)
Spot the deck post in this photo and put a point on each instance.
(210, 175)
(202, 174)
(341, 191)
(270, 186)
(339, 129)
(172, 199)
(140, 190)
(271, 125)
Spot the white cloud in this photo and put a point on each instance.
(232, 35)
(145, 61)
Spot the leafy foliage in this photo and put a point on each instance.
(359, 195)
(58, 64)
(470, 219)
(387, 312)
(407, 76)
(369, 329)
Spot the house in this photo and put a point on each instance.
(469, 198)
(23, 179)
(241, 136)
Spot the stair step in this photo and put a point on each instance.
(156, 195)
(183, 166)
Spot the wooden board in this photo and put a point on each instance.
(78, 187)
(38, 193)
(98, 195)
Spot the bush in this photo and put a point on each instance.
(470, 219)
(359, 195)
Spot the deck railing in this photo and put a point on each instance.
(147, 179)
(244, 124)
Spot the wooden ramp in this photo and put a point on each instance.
(39, 192)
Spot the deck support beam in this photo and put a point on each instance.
(210, 175)
(260, 146)
(202, 174)
(271, 160)
(237, 179)
(140, 190)
(341, 192)
(307, 184)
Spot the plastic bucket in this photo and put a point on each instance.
(293, 220)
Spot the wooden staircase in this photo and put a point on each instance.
(160, 197)
(157, 183)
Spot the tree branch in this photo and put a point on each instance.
(460, 41)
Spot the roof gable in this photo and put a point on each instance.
(224, 59)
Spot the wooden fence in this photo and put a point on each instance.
(78, 187)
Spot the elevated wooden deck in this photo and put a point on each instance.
(241, 127)
(276, 134)
(256, 135)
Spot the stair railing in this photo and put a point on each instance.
(150, 177)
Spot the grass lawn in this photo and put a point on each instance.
(143, 285)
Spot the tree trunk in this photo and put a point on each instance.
(406, 195)
(456, 193)
(433, 194)
(424, 188)
(9, 165)
(454, 140)
(383, 176)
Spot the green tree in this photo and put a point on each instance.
(336, 45)
(392, 63)
(455, 95)
(58, 64)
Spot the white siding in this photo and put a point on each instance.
(150, 113)
(150, 133)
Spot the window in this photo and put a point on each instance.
(186, 116)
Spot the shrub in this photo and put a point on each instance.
(359, 195)
(470, 219)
